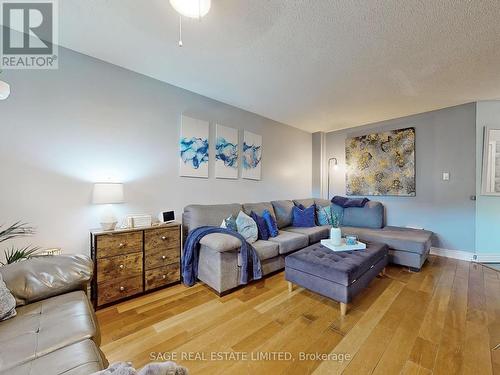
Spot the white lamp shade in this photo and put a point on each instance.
(107, 193)
(4, 90)
(191, 8)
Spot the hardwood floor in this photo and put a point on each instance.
(442, 320)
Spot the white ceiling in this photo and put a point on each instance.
(315, 65)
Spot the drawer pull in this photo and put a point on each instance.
(122, 266)
(163, 238)
(163, 257)
(121, 245)
(164, 276)
(122, 288)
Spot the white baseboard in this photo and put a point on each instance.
(465, 255)
(455, 254)
(488, 258)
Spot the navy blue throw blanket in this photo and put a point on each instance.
(250, 262)
(349, 202)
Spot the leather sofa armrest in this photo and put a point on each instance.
(39, 278)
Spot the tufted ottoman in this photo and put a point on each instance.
(336, 275)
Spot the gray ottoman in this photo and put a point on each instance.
(336, 275)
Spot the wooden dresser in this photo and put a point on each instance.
(129, 262)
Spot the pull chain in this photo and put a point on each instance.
(180, 31)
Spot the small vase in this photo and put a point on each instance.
(336, 236)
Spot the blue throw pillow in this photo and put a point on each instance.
(261, 226)
(272, 226)
(304, 218)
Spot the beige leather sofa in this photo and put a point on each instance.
(55, 330)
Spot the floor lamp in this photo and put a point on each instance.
(335, 166)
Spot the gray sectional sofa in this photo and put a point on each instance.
(219, 263)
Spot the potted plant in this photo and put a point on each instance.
(335, 232)
(333, 220)
(14, 254)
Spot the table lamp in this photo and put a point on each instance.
(108, 193)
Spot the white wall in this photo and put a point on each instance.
(89, 121)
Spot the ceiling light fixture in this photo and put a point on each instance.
(191, 9)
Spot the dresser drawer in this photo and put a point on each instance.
(109, 245)
(119, 267)
(161, 257)
(115, 290)
(161, 276)
(162, 238)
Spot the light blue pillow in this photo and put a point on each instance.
(324, 215)
(247, 227)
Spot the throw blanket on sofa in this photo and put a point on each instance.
(250, 262)
(349, 202)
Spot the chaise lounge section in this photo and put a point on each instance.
(219, 262)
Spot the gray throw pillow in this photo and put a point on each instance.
(7, 302)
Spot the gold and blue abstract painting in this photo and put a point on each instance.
(381, 163)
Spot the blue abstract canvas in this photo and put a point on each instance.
(226, 152)
(252, 156)
(194, 148)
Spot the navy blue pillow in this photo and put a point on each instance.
(304, 218)
(261, 226)
(272, 226)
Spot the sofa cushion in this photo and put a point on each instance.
(290, 241)
(369, 216)
(272, 226)
(7, 302)
(258, 208)
(81, 358)
(304, 217)
(220, 242)
(199, 215)
(263, 232)
(283, 212)
(397, 238)
(266, 249)
(39, 278)
(315, 234)
(308, 202)
(247, 227)
(45, 326)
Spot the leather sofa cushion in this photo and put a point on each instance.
(289, 241)
(283, 212)
(81, 358)
(397, 238)
(198, 215)
(369, 216)
(46, 326)
(340, 267)
(220, 242)
(39, 278)
(315, 234)
(258, 208)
